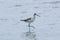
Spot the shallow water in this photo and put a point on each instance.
(29, 36)
(47, 26)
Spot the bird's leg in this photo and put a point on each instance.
(32, 27)
(29, 26)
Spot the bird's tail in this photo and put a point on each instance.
(21, 20)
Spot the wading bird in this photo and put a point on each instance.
(30, 20)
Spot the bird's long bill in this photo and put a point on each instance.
(38, 15)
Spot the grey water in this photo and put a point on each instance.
(47, 27)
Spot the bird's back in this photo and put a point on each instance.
(26, 20)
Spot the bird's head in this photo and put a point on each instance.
(36, 15)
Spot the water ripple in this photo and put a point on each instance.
(55, 2)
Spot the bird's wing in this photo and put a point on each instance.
(26, 19)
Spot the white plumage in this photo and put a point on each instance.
(30, 20)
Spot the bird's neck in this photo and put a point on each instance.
(34, 17)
